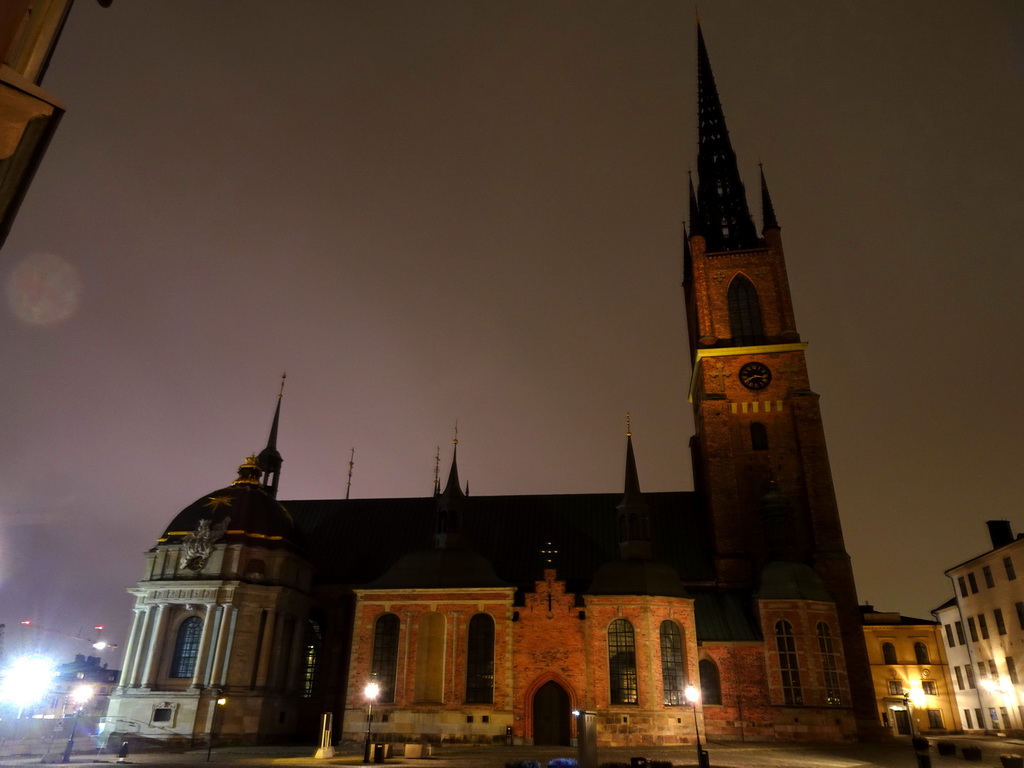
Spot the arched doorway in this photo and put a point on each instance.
(551, 715)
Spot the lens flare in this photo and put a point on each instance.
(43, 289)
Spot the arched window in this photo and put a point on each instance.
(186, 647)
(889, 653)
(758, 436)
(921, 653)
(785, 646)
(622, 662)
(385, 656)
(480, 660)
(744, 313)
(829, 666)
(313, 651)
(710, 682)
(672, 677)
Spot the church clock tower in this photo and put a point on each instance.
(758, 423)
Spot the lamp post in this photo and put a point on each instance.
(371, 692)
(79, 696)
(912, 698)
(693, 696)
(221, 703)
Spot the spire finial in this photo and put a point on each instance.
(629, 432)
(351, 464)
(437, 471)
(455, 441)
(270, 458)
(280, 393)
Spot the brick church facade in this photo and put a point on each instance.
(482, 618)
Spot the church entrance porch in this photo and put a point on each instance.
(551, 712)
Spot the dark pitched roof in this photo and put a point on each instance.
(354, 541)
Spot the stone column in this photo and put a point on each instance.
(131, 647)
(203, 657)
(155, 645)
(224, 632)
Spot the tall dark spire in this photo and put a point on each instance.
(451, 509)
(633, 513)
(270, 458)
(727, 225)
(767, 209)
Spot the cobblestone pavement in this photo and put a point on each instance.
(888, 754)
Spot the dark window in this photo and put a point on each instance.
(960, 628)
(314, 645)
(930, 687)
(896, 687)
(888, 653)
(829, 665)
(1011, 669)
(972, 628)
(710, 682)
(480, 660)
(162, 714)
(983, 626)
(1005, 714)
(921, 653)
(1020, 613)
(744, 313)
(967, 718)
(949, 636)
(1000, 622)
(993, 670)
(186, 647)
(622, 662)
(1011, 574)
(987, 573)
(672, 664)
(785, 646)
(963, 586)
(977, 714)
(934, 718)
(982, 671)
(959, 678)
(973, 582)
(969, 672)
(384, 666)
(758, 436)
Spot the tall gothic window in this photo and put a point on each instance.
(385, 656)
(622, 662)
(186, 647)
(921, 653)
(744, 313)
(672, 678)
(710, 682)
(480, 660)
(785, 646)
(758, 436)
(829, 666)
(312, 652)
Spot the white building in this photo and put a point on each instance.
(983, 627)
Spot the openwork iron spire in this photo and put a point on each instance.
(725, 217)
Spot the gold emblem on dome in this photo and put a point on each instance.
(215, 502)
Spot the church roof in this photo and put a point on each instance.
(355, 541)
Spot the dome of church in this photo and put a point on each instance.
(242, 513)
(449, 568)
(637, 577)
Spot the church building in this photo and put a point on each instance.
(486, 618)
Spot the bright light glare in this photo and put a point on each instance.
(692, 694)
(371, 691)
(81, 694)
(27, 680)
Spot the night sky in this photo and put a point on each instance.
(436, 211)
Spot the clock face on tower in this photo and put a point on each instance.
(755, 376)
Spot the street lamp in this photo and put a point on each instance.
(915, 697)
(371, 692)
(693, 696)
(27, 680)
(80, 695)
(221, 703)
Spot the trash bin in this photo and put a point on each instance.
(924, 760)
(378, 753)
(704, 758)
